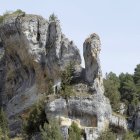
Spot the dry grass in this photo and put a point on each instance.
(18, 57)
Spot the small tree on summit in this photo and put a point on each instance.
(53, 17)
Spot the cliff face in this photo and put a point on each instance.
(33, 50)
(91, 110)
(29, 42)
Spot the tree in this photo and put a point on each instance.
(53, 18)
(111, 84)
(51, 131)
(114, 78)
(107, 135)
(128, 89)
(18, 11)
(74, 132)
(66, 90)
(36, 119)
(137, 77)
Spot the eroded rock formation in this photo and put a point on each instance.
(93, 73)
(31, 49)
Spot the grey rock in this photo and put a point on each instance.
(44, 42)
(93, 74)
(137, 123)
(40, 42)
(91, 112)
(119, 121)
(65, 133)
(60, 52)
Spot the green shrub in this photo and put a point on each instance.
(112, 84)
(107, 135)
(51, 131)
(66, 76)
(18, 11)
(74, 132)
(53, 17)
(36, 119)
(7, 13)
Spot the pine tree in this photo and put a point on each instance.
(66, 90)
(112, 84)
(36, 119)
(51, 131)
(137, 77)
(128, 89)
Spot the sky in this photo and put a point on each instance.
(117, 22)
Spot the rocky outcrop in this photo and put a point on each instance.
(137, 123)
(118, 122)
(33, 50)
(37, 45)
(90, 113)
(60, 52)
(93, 74)
(134, 120)
(90, 109)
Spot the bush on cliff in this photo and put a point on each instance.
(51, 131)
(37, 118)
(107, 135)
(112, 84)
(74, 132)
(66, 89)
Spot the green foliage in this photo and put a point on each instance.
(4, 16)
(53, 17)
(74, 132)
(130, 136)
(7, 13)
(107, 135)
(18, 11)
(51, 131)
(112, 84)
(4, 131)
(1, 19)
(137, 77)
(50, 87)
(128, 89)
(36, 119)
(66, 90)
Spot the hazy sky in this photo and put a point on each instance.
(117, 22)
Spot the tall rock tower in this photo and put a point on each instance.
(93, 73)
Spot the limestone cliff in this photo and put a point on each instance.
(29, 42)
(33, 50)
(90, 109)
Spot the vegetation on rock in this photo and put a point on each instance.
(7, 13)
(66, 90)
(51, 131)
(74, 132)
(36, 119)
(112, 84)
(107, 135)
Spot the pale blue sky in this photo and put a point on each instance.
(116, 21)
